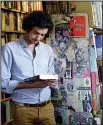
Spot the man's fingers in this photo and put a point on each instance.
(52, 83)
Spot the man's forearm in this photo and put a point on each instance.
(31, 85)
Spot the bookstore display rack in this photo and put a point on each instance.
(94, 11)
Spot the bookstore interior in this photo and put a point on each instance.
(76, 40)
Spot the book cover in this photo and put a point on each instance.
(81, 59)
(98, 97)
(93, 88)
(79, 25)
(101, 95)
(41, 77)
(98, 39)
(92, 57)
(79, 91)
(80, 118)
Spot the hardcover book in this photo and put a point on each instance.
(79, 25)
(41, 77)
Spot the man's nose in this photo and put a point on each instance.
(38, 37)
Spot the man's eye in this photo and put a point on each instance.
(38, 34)
(42, 35)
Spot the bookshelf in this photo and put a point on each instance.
(12, 31)
(8, 122)
(13, 10)
(59, 7)
(5, 109)
(12, 13)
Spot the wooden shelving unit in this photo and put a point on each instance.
(11, 31)
(8, 122)
(6, 99)
(13, 10)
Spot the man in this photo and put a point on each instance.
(25, 58)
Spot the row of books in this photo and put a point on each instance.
(97, 13)
(94, 11)
(58, 7)
(99, 95)
(7, 37)
(22, 6)
(11, 21)
(96, 41)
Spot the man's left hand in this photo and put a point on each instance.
(52, 82)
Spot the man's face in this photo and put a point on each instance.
(36, 34)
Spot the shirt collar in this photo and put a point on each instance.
(24, 43)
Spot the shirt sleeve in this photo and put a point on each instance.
(7, 84)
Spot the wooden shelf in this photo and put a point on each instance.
(13, 10)
(6, 99)
(12, 31)
(6, 123)
(99, 60)
(98, 32)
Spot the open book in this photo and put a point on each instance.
(41, 77)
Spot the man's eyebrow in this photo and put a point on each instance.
(38, 32)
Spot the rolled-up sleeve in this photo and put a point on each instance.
(7, 84)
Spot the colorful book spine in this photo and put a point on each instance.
(98, 39)
(93, 68)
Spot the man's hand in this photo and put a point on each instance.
(52, 82)
(37, 84)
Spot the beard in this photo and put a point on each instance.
(33, 41)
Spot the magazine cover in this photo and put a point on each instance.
(80, 118)
(79, 24)
(79, 91)
(81, 59)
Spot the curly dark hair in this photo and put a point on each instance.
(39, 19)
